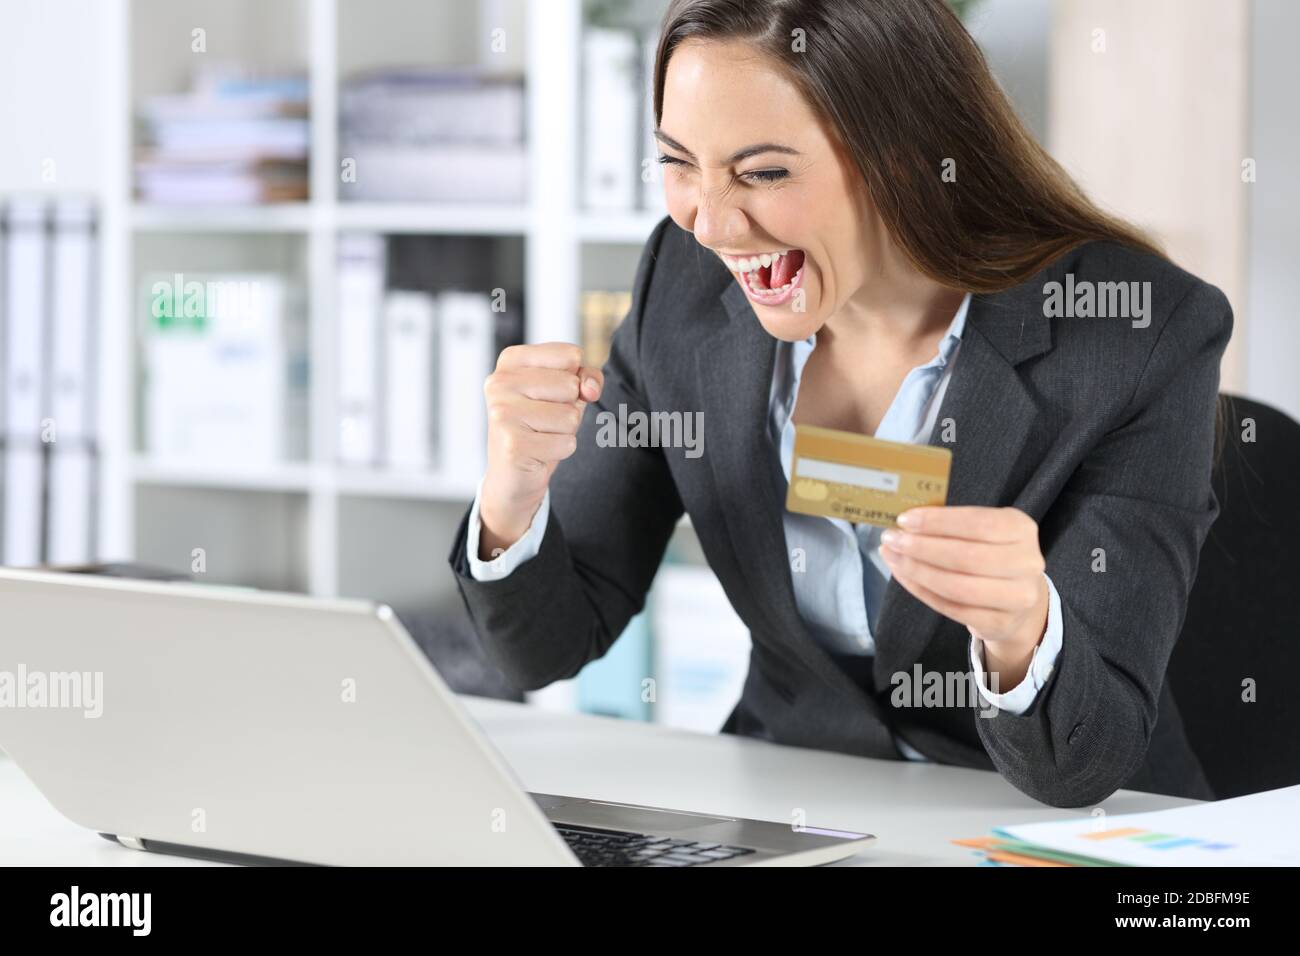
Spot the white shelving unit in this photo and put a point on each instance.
(401, 524)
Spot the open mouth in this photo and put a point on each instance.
(769, 278)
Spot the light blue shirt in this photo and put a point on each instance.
(840, 595)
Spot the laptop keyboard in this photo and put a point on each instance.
(621, 848)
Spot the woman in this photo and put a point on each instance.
(862, 236)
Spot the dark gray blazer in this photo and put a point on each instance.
(1100, 431)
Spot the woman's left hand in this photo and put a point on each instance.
(981, 567)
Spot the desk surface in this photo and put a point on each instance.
(914, 809)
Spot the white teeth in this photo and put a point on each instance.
(747, 264)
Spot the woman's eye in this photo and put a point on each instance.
(753, 176)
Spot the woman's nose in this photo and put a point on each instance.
(717, 220)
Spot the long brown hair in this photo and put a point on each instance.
(907, 90)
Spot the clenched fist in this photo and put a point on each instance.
(535, 400)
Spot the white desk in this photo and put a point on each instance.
(914, 809)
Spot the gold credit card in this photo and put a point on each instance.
(862, 479)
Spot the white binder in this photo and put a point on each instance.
(71, 382)
(611, 97)
(71, 320)
(24, 306)
(652, 191)
(409, 319)
(466, 326)
(360, 306)
(71, 503)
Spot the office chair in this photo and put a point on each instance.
(1243, 616)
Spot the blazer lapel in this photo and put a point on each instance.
(734, 375)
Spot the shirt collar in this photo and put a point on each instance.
(951, 339)
(955, 329)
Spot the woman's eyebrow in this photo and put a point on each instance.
(736, 157)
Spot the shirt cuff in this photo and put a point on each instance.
(1019, 698)
(505, 563)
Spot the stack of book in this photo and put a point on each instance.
(234, 139)
(432, 135)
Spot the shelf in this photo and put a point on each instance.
(301, 478)
(288, 477)
(632, 227)
(428, 219)
(379, 484)
(280, 217)
(433, 218)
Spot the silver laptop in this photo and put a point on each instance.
(256, 727)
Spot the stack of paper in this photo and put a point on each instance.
(432, 135)
(1255, 830)
(235, 139)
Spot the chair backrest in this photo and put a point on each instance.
(1233, 668)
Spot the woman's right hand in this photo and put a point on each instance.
(535, 402)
